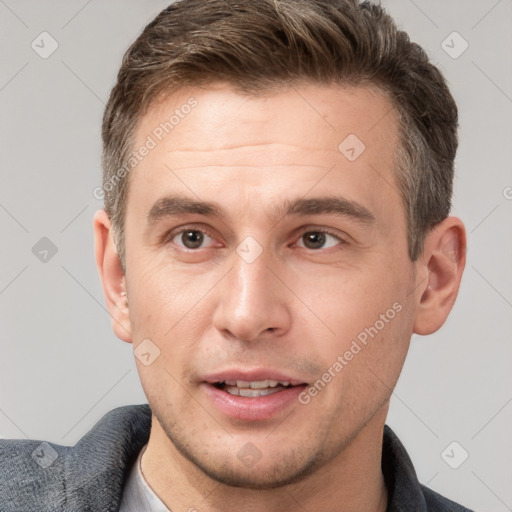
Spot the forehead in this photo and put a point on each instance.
(218, 135)
(320, 113)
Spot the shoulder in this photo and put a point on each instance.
(437, 503)
(42, 476)
(404, 490)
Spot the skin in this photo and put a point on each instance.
(294, 309)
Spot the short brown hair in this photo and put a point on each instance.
(259, 45)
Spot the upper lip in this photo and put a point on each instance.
(257, 374)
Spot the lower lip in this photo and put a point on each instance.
(255, 408)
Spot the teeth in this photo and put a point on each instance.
(251, 393)
(259, 384)
(256, 384)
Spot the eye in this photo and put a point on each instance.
(191, 238)
(319, 240)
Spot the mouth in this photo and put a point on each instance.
(252, 389)
(252, 395)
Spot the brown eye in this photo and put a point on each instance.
(191, 238)
(319, 240)
(314, 240)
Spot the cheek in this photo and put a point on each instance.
(350, 305)
(173, 311)
(372, 331)
(381, 347)
(368, 367)
(161, 297)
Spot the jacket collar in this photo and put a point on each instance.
(97, 467)
(99, 464)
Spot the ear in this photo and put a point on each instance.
(442, 264)
(112, 276)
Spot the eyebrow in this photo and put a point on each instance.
(178, 205)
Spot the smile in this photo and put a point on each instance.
(252, 389)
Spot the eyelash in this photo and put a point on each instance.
(205, 231)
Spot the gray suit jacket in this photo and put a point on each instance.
(45, 477)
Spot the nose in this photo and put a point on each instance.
(253, 302)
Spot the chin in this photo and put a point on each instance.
(270, 475)
(230, 468)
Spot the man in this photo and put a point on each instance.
(277, 179)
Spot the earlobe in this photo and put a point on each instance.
(112, 276)
(443, 261)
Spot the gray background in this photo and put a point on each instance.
(62, 368)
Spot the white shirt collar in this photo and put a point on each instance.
(137, 494)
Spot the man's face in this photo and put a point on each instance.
(297, 271)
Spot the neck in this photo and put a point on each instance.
(351, 482)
